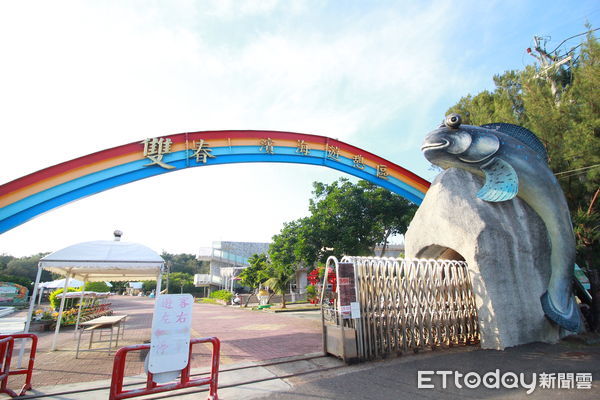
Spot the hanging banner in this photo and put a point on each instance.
(346, 289)
(171, 328)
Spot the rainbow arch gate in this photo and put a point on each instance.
(41, 191)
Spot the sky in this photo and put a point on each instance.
(77, 77)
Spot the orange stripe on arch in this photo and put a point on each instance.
(65, 177)
(213, 139)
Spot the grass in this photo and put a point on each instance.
(206, 300)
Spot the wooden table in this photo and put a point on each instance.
(102, 324)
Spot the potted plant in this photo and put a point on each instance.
(311, 294)
(41, 321)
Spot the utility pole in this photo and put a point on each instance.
(549, 63)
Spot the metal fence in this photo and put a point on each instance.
(412, 304)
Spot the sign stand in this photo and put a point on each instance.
(170, 341)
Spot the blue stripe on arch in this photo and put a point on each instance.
(29, 207)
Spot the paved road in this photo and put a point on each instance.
(245, 336)
(397, 378)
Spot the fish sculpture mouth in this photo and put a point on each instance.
(437, 145)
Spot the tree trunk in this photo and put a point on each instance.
(385, 243)
(283, 300)
(248, 299)
(594, 277)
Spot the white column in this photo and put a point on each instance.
(30, 312)
(60, 311)
(85, 280)
(158, 285)
(32, 298)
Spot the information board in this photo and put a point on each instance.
(171, 327)
(346, 288)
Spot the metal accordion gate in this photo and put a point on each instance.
(409, 305)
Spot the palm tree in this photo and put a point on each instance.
(280, 281)
(254, 275)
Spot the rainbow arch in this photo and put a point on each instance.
(41, 191)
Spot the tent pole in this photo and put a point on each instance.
(80, 305)
(32, 298)
(30, 312)
(158, 284)
(60, 311)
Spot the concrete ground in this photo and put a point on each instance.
(245, 335)
(398, 378)
(250, 340)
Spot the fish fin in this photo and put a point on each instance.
(570, 320)
(523, 135)
(501, 181)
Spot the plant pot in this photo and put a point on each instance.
(39, 326)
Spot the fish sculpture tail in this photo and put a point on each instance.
(569, 320)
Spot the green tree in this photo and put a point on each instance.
(4, 260)
(26, 267)
(187, 263)
(586, 224)
(17, 279)
(280, 281)
(345, 218)
(181, 282)
(100, 287)
(148, 286)
(256, 274)
(296, 244)
(118, 286)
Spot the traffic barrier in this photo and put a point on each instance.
(6, 349)
(118, 374)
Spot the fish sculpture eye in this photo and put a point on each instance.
(453, 121)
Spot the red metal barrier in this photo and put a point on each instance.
(6, 349)
(116, 385)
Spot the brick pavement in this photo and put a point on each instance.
(245, 336)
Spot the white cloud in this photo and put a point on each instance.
(78, 77)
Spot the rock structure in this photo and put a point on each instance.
(506, 248)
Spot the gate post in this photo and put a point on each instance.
(339, 339)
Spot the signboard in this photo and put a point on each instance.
(171, 326)
(355, 309)
(346, 289)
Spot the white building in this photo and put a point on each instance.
(226, 259)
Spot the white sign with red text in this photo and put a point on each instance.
(171, 327)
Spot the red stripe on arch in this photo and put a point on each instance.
(135, 147)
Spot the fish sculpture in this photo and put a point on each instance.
(514, 162)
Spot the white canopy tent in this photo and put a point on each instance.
(102, 260)
(74, 283)
(59, 283)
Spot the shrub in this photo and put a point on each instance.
(222, 295)
(55, 301)
(96, 287)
